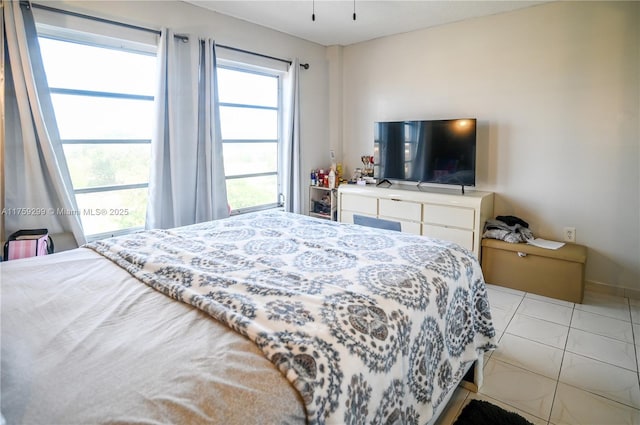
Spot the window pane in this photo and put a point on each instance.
(247, 88)
(250, 158)
(251, 122)
(90, 67)
(106, 165)
(82, 67)
(103, 212)
(252, 191)
(88, 117)
(246, 123)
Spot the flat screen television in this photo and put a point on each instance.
(429, 151)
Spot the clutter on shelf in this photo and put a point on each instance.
(329, 178)
(322, 206)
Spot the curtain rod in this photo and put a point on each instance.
(136, 27)
(235, 49)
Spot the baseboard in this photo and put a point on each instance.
(603, 288)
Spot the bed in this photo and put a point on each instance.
(265, 318)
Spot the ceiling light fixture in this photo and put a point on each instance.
(313, 10)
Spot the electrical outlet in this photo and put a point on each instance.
(569, 234)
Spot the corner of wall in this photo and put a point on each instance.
(334, 56)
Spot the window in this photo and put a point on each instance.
(250, 112)
(103, 101)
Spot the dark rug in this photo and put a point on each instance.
(479, 412)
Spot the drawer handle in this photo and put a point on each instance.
(522, 254)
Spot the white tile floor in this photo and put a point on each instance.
(559, 362)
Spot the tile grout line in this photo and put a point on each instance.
(515, 311)
(546, 320)
(601, 396)
(548, 420)
(630, 321)
(604, 315)
(633, 336)
(555, 391)
(523, 369)
(598, 360)
(564, 351)
(601, 361)
(504, 332)
(570, 327)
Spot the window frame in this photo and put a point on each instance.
(102, 41)
(274, 73)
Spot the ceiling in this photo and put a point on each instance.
(334, 24)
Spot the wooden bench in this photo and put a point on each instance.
(555, 273)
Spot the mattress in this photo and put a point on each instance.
(83, 342)
(101, 336)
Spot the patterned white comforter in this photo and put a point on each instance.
(370, 326)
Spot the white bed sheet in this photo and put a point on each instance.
(85, 342)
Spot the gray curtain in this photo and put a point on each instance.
(291, 174)
(187, 183)
(38, 189)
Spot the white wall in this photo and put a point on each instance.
(188, 19)
(556, 92)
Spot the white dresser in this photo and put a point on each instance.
(439, 213)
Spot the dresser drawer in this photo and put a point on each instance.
(400, 209)
(360, 204)
(463, 238)
(410, 227)
(443, 214)
(463, 218)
